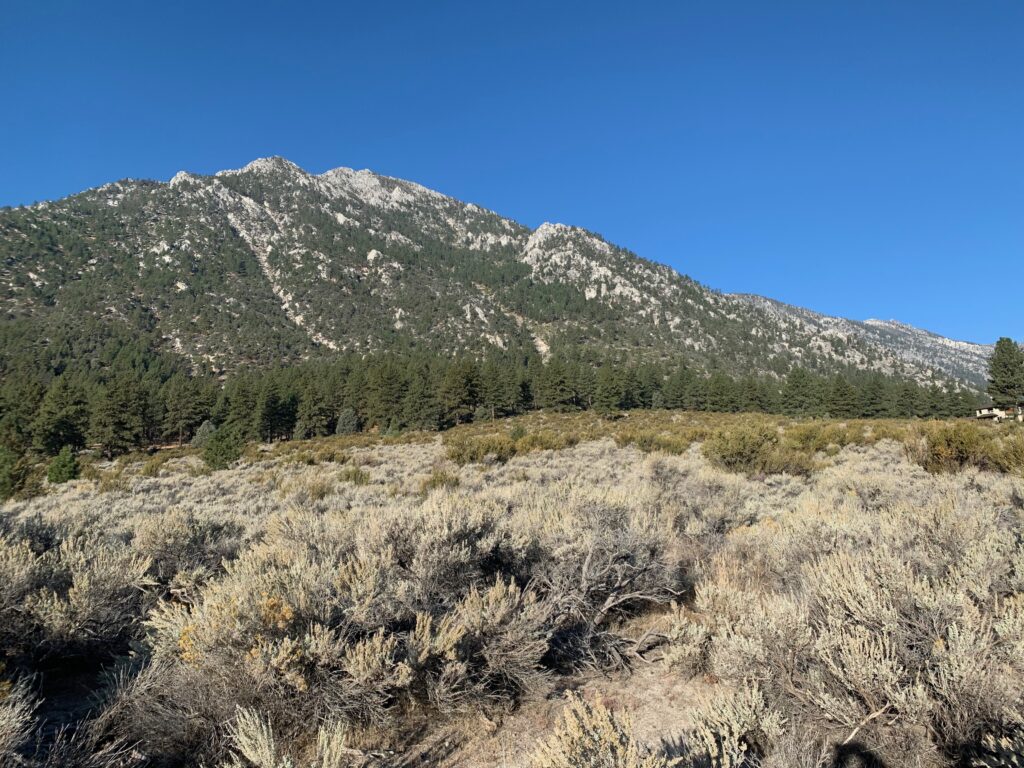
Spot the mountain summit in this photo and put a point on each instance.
(269, 263)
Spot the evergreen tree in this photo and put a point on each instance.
(583, 380)
(236, 407)
(938, 404)
(843, 400)
(14, 470)
(348, 422)
(650, 380)
(800, 394)
(274, 417)
(116, 420)
(697, 394)
(910, 401)
(62, 419)
(498, 390)
(553, 386)
(875, 401)
(20, 400)
(1006, 374)
(677, 388)
(722, 395)
(632, 389)
(459, 392)
(63, 467)
(185, 407)
(420, 409)
(609, 389)
(315, 416)
(385, 391)
(203, 433)
(224, 447)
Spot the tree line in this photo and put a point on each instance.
(133, 408)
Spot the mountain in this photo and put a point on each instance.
(270, 263)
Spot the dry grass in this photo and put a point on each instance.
(328, 599)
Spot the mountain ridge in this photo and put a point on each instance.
(268, 263)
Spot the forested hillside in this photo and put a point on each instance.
(269, 265)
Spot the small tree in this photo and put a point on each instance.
(63, 467)
(203, 434)
(348, 422)
(1006, 374)
(223, 448)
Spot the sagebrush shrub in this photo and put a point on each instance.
(875, 604)
(16, 719)
(757, 449)
(591, 736)
(734, 729)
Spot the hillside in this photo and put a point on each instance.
(269, 264)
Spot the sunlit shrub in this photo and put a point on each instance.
(591, 736)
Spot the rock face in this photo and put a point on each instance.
(269, 263)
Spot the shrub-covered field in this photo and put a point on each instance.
(554, 591)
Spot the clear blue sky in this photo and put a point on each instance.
(862, 158)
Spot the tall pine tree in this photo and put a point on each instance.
(62, 418)
(1006, 374)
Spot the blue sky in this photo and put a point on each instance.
(862, 158)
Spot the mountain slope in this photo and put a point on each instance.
(269, 263)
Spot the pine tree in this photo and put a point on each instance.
(420, 409)
(274, 417)
(21, 398)
(348, 422)
(185, 407)
(650, 380)
(64, 466)
(235, 409)
(116, 419)
(62, 418)
(842, 401)
(875, 400)
(677, 387)
(224, 447)
(203, 434)
(385, 391)
(938, 405)
(498, 390)
(14, 471)
(632, 389)
(315, 416)
(722, 395)
(799, 394)
(609, 389)
(1006, 374)
(459, 391)
(910, 401)
(553, 386)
